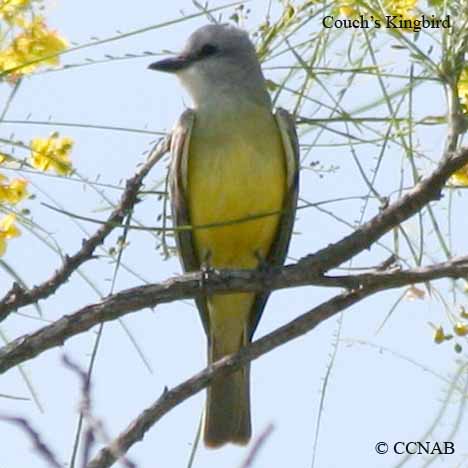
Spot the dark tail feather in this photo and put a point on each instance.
(227, 413)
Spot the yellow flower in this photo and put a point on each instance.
(7, 231)
(10, 10)
(348, 8)
(52, 153)
(463, 313)
(439, 335)
(18, 190)
(460, 329)
(463, 88)
(35, 46)
(402, 8)
(461, 177)
(12, 192)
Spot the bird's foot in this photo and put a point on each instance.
(205, 268)
(263, 265)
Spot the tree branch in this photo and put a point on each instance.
(429, 189)
(222, 282)
(306, 272)
(169, 399)
(18, 297)
(294, 329)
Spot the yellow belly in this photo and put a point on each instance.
(234, 172)
(236, 169)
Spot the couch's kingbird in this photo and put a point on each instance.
(232, 159)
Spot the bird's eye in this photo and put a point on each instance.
(207, 50)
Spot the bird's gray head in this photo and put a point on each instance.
(218, 61)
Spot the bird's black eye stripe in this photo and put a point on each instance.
(207, 50)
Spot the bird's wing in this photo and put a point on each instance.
(180, 142)
(279, 248)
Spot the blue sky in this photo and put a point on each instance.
(385, 386)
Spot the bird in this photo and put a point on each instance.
(234, 179)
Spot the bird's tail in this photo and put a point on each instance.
(227, 413)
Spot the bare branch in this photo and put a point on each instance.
(294, 329)
(306, 272)
(429, 189)
(257, 445)
(39, 445)
(169, 399)
(222, 282)
(18, 297)
(95, 427)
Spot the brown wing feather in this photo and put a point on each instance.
(178, 185)
(279, 249)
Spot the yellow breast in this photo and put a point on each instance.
(236, 169)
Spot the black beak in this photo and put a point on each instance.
(171, 65)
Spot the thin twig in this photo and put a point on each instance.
(429, 189)
(258, 444)
(220, 282)
(95, 426)
(39, 445)
(19, 297)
